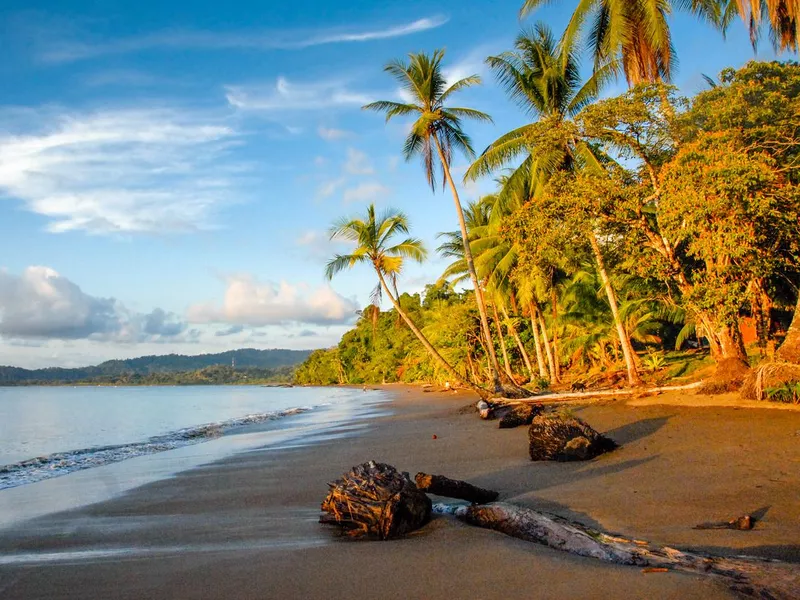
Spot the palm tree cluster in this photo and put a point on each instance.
(618, 226)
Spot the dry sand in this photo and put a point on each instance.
(246, 527)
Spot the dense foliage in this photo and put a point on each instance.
(626, 228)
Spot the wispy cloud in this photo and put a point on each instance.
(125, 171)
(331, 134)
(358, 163)
(61, 51)
(369, 191)
(284, 96)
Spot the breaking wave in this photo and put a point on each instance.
(62, 463)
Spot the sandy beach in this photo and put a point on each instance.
(246, 527)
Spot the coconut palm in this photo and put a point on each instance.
(435, 136)
(374, 241)
(633, 34)
(783, 17)
(543, 78)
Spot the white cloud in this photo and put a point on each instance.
(285, 96)
(122, 171)
(41, 304)
(250, 302)
(358, 163)
(370, 191)
(69, 50)
(332, 134)
(328, 188)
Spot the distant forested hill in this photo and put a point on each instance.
(245, 359)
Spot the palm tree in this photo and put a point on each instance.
(783, 17)
(634, 34)
(544, 78)
(435, 136)
(373, 236)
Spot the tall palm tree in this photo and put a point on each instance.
(543, 77)
(633, 32)
(435, 136)
(373, 237)
(783, 17)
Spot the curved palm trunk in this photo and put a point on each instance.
(493, 364)
(790, 348)
(625, 341)
(506, 362)
(551, 363)
(526, 359)
(537, 342)
(554, 306)
(424, 341)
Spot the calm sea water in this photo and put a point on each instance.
(50, 431)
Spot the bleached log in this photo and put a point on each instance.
(750, 576)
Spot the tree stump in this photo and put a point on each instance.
(552, 437)
(520, 415)
(376, 499)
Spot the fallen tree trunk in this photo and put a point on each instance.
(753, 577)
(375, 499)
(453, 488)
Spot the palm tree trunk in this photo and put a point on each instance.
(506, 362)
(537, 342)
(493, 364)
(424, 341)
(625, 341)
(554, 307)
(526, 359)
(790, 348)
(551, 363)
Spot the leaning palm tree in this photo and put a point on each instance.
(435, 136)
(373, 237)
(635, 32)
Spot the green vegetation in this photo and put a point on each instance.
(622, 231)
(251, 366)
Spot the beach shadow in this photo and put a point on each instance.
(789, 553)
(637, 430)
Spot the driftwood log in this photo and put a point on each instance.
(519, 415)
(553, 437)
(453, 488)
(376, 499)
(753, 577)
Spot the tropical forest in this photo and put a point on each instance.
(635, 240)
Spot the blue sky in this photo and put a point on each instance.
(168, 169)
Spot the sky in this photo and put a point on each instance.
(169, 170)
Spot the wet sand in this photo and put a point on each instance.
(246, 527)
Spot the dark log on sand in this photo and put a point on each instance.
(519, 415)
(753, 577)
(553, 437)
(376, 499)
(452, 488)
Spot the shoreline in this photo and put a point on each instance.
(246, 527)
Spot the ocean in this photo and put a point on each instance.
(54, 439)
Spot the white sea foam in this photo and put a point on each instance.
(62, 463)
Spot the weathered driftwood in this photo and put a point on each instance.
(485, 409)
(519, 415)
(758, 578)
(453, 488)
(376, 499)
(743, 523)
(553, 437)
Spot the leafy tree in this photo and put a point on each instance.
(435, 136)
